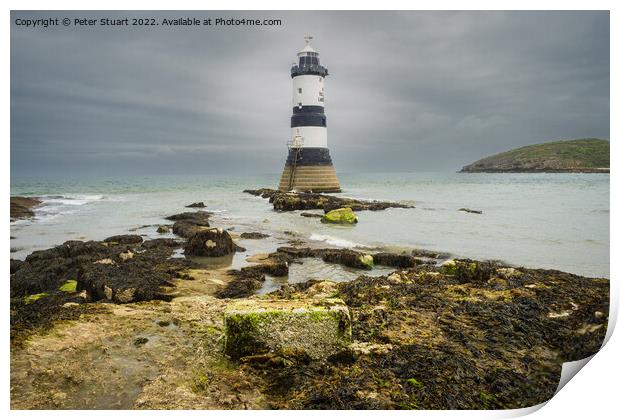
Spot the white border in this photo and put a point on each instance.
(592, 395)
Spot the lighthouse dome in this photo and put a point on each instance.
(307, 49)
(308, 63)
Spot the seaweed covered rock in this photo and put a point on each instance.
(161, 242)
(47, 269)
(395, 260)
(254, 235)
(340, 216)
(212, 242)
(349, 258)
(243, 284)
(124, 239)
(144, 277)
(478, 336)
(163, 229)
(198, 204)
(44, 288)
(188, 223)
(318, 327)
(308, 214)
(290, 201)
(469, 271)
(274, 266)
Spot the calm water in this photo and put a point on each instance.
(556, 221)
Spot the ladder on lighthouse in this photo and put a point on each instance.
(296, 144)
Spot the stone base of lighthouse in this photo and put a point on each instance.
(309, 169)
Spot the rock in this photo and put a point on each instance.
(306, 214)
(188, 223)
(201, 217)
(471, 211)
(274, 266)
(362, 348)
(126, 295)
(127, 255)
(107, 292)
(319, 328)
(289, 201)
(211, 242)
(161, 243)
(140, 341)
(21, 207)
(124, 239)
(394, 260)
(395, 278)
(163, 229)
(295, 252)
(244, 284)
(349, 258)
(16, 265)
(146, 276)
(198, 204)
(322, 289)
(509, 272)
(47, 270)
(469, 271)
(254, 235)
(340, 216)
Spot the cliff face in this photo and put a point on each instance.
(582, 155)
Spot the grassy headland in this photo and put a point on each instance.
(581, 155)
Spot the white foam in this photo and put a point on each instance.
(71, 200)
(335, 241)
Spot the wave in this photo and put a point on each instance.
(54, 206)
(336, 241)
(71, 200)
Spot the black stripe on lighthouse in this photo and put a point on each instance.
(309, 120)
(308, 109)
(308, 116)
(310, 156)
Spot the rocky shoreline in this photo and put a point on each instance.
(131, 323)
(22, 207)
(290, 201)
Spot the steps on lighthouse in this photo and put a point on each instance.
(310, 178)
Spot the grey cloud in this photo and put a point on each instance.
(412, 91)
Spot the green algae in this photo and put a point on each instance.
(367, 260)
(33, 298)
(340, 216)
(415, 383)
(255, 327)
(70, 286)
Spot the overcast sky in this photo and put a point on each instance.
(407, 91)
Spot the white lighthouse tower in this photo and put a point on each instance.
(308, 166)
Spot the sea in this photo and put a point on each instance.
(543, 220)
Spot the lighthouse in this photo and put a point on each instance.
(308, 164)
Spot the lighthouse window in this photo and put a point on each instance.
(299, 90)
(315, 61)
